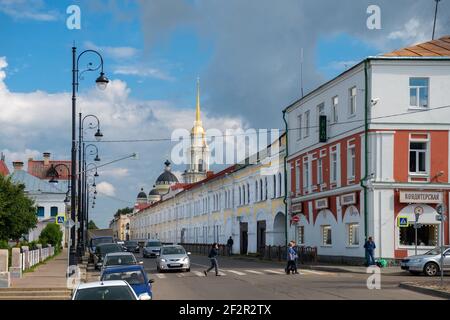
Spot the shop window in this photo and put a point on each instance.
(326, 236)
(353, 234)
(427, 235)
(301, 234)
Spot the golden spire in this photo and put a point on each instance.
(197, 113)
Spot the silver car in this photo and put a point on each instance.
(152, 248)
(428, 263)
(173, 257)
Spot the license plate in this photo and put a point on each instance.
(175, 265)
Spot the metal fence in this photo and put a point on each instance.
(305, 254)
(31, 258)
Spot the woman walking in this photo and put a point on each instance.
(213, 258)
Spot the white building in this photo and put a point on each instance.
(385, 155)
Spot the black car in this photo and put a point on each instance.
(131, 246)
(102, 249)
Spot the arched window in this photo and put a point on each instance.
(256, 191)
(279, 184)
(274, 186)
(261, 196)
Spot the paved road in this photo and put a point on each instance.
(265, 280)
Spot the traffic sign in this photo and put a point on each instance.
(402, 222)
(60, 219)
(295, 219)
(418, 210)
(70, 223)
(441, 218)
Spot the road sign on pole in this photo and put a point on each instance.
(441, 209)
(70, 223)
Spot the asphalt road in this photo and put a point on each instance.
(253, 280)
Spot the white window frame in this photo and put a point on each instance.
(334, 108)
(333, 166)
(306, 173)
(322, 229)
(320, 112)
(297, 178)
(417, 89)
(351, 162)
(351, 234)
(307, 123)
(352, 93)
(299, 124)
(426, 173)
(301, 231)
(320, 171)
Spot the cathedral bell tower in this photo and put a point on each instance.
(198, 152)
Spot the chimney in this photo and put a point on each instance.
(17, 165)
(46, 158)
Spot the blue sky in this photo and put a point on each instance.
(246, 54)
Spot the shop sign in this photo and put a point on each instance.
(322, 203)
(420, 197)
(348, 199)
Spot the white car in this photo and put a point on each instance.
(107, 290)
(173, 257)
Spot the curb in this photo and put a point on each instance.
(431, 292)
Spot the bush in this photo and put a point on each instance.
(4, 244)
(51, 234)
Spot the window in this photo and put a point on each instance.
(418, 92)
(306, 124)
(320, 112)
(351, 162)
(352, 101)
(305, 175)
(319, 171)
(274, 186)
(248, 193)
(297, 175)
(53, 211)
(353, 234)
(256, 191)
(261, 196)
(427, 235)
(301, 234)
(40, 212)
(333, 166)
(418, 157)
(265, 188)
(334, 108)
(299, 125)
(280, 182)
(326, 235)
(240, 196)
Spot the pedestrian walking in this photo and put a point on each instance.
(230, 243)
(291, 256)
(213, 258)
(294, 247)
(369, 247)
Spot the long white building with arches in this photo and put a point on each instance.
(244, 201)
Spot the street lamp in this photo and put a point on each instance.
(101, 82)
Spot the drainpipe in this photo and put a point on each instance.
(285, 179)
(366, 146)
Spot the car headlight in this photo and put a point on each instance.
(185, 259)
(163, 260)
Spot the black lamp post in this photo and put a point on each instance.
(81, 149)
(86, 189)
(101, 82)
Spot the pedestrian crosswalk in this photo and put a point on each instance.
(241, 272)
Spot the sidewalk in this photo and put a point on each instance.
(52, 274)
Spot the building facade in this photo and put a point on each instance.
(369, 150)
(121, 227)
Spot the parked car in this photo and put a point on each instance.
(428, 263)
(105, 290)
(173, 257)
(134, 275)
(132, 246)
(120, 259)
(152, 248)
(102, 249)
(94, 242)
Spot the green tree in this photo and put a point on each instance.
(123, 211)
(92, 225)
(51, 234)
(17, 211)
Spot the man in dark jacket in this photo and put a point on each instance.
(370, 249)
(230, 243)
(213, 258)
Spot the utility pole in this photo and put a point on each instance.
(435, 17)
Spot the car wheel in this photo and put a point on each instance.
(414, 273)
(431, 269)
(158, 269)
(188, 270)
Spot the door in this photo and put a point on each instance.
(261, 236)
(243, 226)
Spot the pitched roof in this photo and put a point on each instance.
(3, 168)
(434, 48)
(38, 169)
(36, 185)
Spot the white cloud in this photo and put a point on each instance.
(114, 52)
(412, 32)
(106, 188)
(142, 72)
(116, 173)
(27, 10)
(23, 156)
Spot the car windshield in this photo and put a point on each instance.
(173, 250)
(153, 244)
(105, 293)
(132, 277)
(131, 243)
(107, 248)
(120, 260)
(97, 241)
(435, 251)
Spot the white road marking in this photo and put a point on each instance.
(253, 271)
(161, 276)
(236, 272)
(180, 275)
(316, 272)
(198, 273)
(274, 271)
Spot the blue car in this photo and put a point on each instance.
(134, 275)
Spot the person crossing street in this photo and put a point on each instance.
(213, 258)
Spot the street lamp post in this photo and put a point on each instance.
(81, 149)
(102, 82)
(86, 190)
